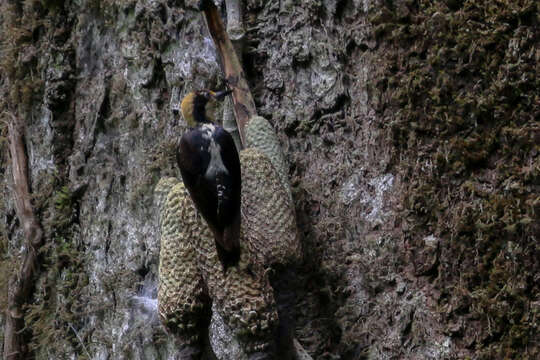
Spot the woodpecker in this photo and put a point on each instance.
(210, 167)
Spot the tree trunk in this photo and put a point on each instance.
(411, 133)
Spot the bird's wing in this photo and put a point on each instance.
(217, 197)
(188, 159)
(192, 164)
(229, 210)
(231, 182)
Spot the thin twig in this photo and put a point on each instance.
(244, 106)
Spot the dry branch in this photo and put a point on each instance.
(21, 281)
(235, 25)
(243, 104)
(236, 32)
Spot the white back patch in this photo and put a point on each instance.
(207, 131)
(216, 165)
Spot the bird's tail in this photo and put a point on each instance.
(228, 246)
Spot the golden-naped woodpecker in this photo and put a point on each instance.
(210, 167)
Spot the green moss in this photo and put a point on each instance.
(19, 23)
(462, 117)
(58, 306)
(6, 264)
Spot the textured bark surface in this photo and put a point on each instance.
(410, 129)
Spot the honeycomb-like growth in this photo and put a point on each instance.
(189, 266)
(245, 301)
(268, 219)
(261, 135)
(161, 191)
(181, 304)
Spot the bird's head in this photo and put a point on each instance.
(194, 104)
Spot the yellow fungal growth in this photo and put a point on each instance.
(189, 264)
(268, 218)
(188, 259)
(261, 135)
(181, 304)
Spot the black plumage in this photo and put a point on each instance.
(210, 168)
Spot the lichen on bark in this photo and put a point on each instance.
(438, 96)
(460, 105)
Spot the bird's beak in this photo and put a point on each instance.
(220, 95)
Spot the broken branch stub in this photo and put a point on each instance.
(243, 104)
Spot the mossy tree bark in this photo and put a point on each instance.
(414, 162)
